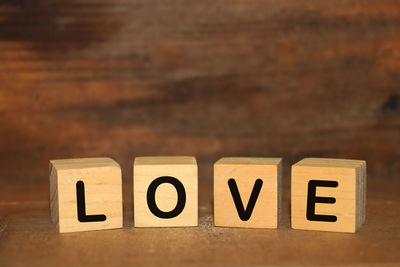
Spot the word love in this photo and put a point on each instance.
(327, 194)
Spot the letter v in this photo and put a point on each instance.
(245, 214)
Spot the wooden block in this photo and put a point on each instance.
(165, 191)
(85, 194)
(329, 194)
(247, 192)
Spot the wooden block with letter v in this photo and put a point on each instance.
(165, 192)
(247, 192)
(85, 194)
(328, 194)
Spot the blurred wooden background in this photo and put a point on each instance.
(216, 78)
(205, 78)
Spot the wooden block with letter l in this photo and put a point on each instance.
(85, 194)
(329, 194)
(165, 191)
(247, 192)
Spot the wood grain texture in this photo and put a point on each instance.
(245, 172)
(24, 217)
(122, 78)
(102, 191)
(166, 195)
(127, 78)
(349, 194)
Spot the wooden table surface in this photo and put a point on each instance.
(28, 237)
(212, 78)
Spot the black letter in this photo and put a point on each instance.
(80, 201)
(312, 199)
(245, 214)
(151, 197)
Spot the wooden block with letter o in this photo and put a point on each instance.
(247, 192)
(165, 192)
(328, 194)
(85, 194)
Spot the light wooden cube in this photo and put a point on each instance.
(340, 183)
(244, 178)
(85, 194)
(165, 192)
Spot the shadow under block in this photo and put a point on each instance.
(245, 172)
(165, 191)
(98, 181)
(345, 193)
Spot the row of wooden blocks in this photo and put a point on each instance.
(327, 194)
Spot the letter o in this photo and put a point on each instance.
(151, 197)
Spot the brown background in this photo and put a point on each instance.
(207, 78)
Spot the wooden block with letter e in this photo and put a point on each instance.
(247, 192)
(328, 194)
(85, 194)
(165, 192)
